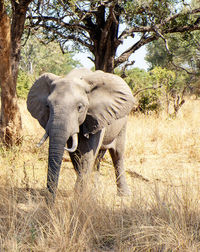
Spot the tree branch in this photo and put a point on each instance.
(128, 32)
(144, 89)
(184, 28)
(182, 68)
(90, 58)
(58, 21)
(28, 35)
(170, 53)
(67, 37)
(128, 63)
(125, 55)
(158, 30)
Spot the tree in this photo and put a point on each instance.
(177, 51)
(101, 26)
(182, 51)
(37, 58)
(11, 30)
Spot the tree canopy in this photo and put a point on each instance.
(101, 26)
(182, 50)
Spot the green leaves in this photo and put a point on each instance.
(158, 89)
(184, 49)
(37, 58)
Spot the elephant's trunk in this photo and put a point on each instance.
(56, 150)
(57, 142)
(60, 132)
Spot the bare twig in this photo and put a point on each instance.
(144, 89)
(91, 59)
(28, 35)
(128, 63)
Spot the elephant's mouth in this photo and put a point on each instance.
(72, 142)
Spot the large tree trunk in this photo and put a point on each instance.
(105, 51)
(10, 131)
(105, 38)
(10, 45)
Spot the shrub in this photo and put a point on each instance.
(24, 82)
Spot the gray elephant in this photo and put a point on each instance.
(85, 113)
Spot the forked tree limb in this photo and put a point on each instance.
(144, 89)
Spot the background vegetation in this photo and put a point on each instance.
(163, 137)
(97, 27)
(37, 58)
(162, 214)
(163, 87)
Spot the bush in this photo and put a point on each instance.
(24, 82)
(149, 101)
(157, 89)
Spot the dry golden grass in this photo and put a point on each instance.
(163, 213)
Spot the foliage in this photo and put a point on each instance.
(37, 58)
(24, 82)
(184, 51)
(94, 25)
(157, 89)
(163, 78)
(179, 51)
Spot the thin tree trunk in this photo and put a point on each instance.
(10, 131)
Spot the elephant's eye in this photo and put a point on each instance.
(80, 107)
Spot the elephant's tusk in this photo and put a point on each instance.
(43, 139)
(74, 143)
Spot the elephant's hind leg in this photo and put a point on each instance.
(117, 155)
(99, 158)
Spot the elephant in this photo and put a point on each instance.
(85, 113)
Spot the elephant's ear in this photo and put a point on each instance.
(110, 98)
(37, 98)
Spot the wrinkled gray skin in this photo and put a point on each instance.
(92, 105)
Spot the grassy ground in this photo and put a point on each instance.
(163, 213)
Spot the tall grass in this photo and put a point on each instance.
(162, 214)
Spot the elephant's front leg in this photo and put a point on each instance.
(84, 158)
(117, 155)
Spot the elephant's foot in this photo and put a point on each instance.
(124, 191)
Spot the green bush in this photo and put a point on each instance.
(156, 90)
(24, 82)
(149, 101)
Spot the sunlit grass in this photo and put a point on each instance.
(163, 213)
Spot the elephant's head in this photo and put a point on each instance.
(62, 104)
